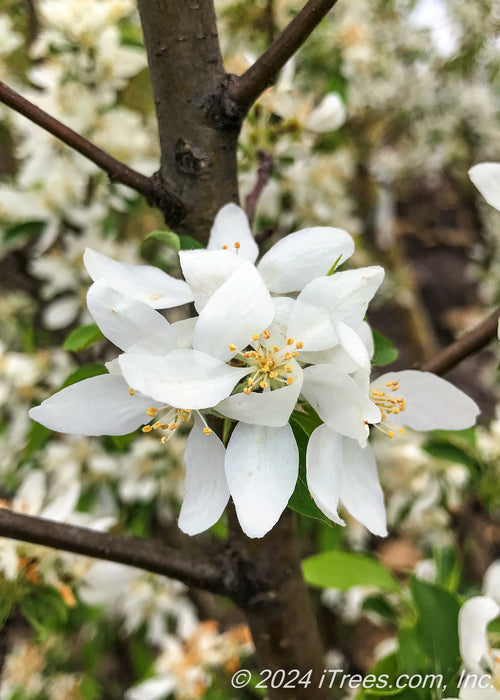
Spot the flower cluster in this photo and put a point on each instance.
(268, 339)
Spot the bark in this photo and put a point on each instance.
(198, 140)
(278, 609)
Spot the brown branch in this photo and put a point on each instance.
(265, 169)
(466, 345)
(245, 89)
(208, 574)
(115, 169)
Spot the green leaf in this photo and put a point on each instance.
(301, 500)
(172, 240)
(38, 436)
(168, 238)
(384, 352)
(188, 243)
(82, 338)
(26, 228)
(436, 629)
(342, 570)
(45, 610)
(93, 369)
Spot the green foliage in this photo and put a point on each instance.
(301, 500)
(92, 369)
(174, 241)
(82, 338)
(45, 610)
(29, 229)
(384, 352)
(342, 570)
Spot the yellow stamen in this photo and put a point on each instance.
(131, 391)
(299, 345)
(250, 382)
(164, 426)
(390, 433)
(247, 390)
(266, 335)
(147, 429)
(237, 245)
(289, 341)
(207, 431)
(275, 348)
(263, 385)
(152, 411)
(288, 369)
(289, 381)
(173, 426)
(401, 430)
(232, 347)
(224, 247)
(163, 440)
(255, 336)
(157, 425)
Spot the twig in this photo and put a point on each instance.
(245, 89)
(265, 169)
(207, 574)
(466, 345)
(116, 170)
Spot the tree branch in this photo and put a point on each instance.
(265, 169)
(245, 89)
(115, 169)
(208, 574)
(466, 345)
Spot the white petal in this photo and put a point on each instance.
(329, 115)
(151, 689)
(486, 177)
(184, 378)
(360, 490)
(97, 406)
(491, 581)
(298, 258)
(353, 345)
(339, 401)
(184, 331)
(207, 270)
(278, 328)
(343, 296)
(231, 226)
(470, 690)
(473, 619)
(143, 282)
(236, 311)
(324, 470)
(62, 507)
(127, 322)
(365, 333)
(431, 402)
(272, 408)
(207, 492)
(262, 465)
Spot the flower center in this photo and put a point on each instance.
(388, 404)
(169, 418)
(270, 363)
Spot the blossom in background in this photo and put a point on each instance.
(486, 177)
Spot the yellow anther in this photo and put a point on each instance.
(131, 391)
(390, 433)
(147, 429)
(173, 426)
(224, 247)
(255, 336)
(207, 431)
(272, 375)
(263, 385)
(401, 430)
(157, 425)
(247, 390)
(299, 345)
(289, 381)
(275, 348)
(152, 411)
(250, 382)
(237, 245)
(232, 347)
(288, 369)
(266, 335)
(288, 355)
(163, 440)
(289, 341)
(395, 388)
(164, 426)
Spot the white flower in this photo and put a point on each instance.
(480, 679)
(340, 468)
(486, 177)
(108, 405)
